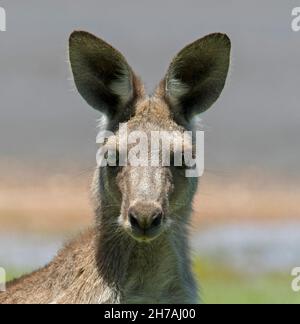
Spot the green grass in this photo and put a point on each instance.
(224, 286)
(14, 273)
(220, 285)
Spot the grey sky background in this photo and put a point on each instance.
(256, 122)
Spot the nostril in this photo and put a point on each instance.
(133, 221)
(157, 220)
(142, 221)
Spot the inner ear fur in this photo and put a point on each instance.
(102, 75)
(197, 76)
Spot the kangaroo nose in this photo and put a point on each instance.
(145, 220)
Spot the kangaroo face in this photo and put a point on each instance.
(151, 197)
(148, 199)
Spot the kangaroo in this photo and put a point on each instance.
(138, 249)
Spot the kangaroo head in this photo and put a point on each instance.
(143, 199)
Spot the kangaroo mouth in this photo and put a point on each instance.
(146, 237)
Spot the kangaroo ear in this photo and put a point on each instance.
(101, 74)
(197, 76)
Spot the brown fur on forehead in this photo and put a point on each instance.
(153, 114)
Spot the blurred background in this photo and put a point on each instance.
(246, 225)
